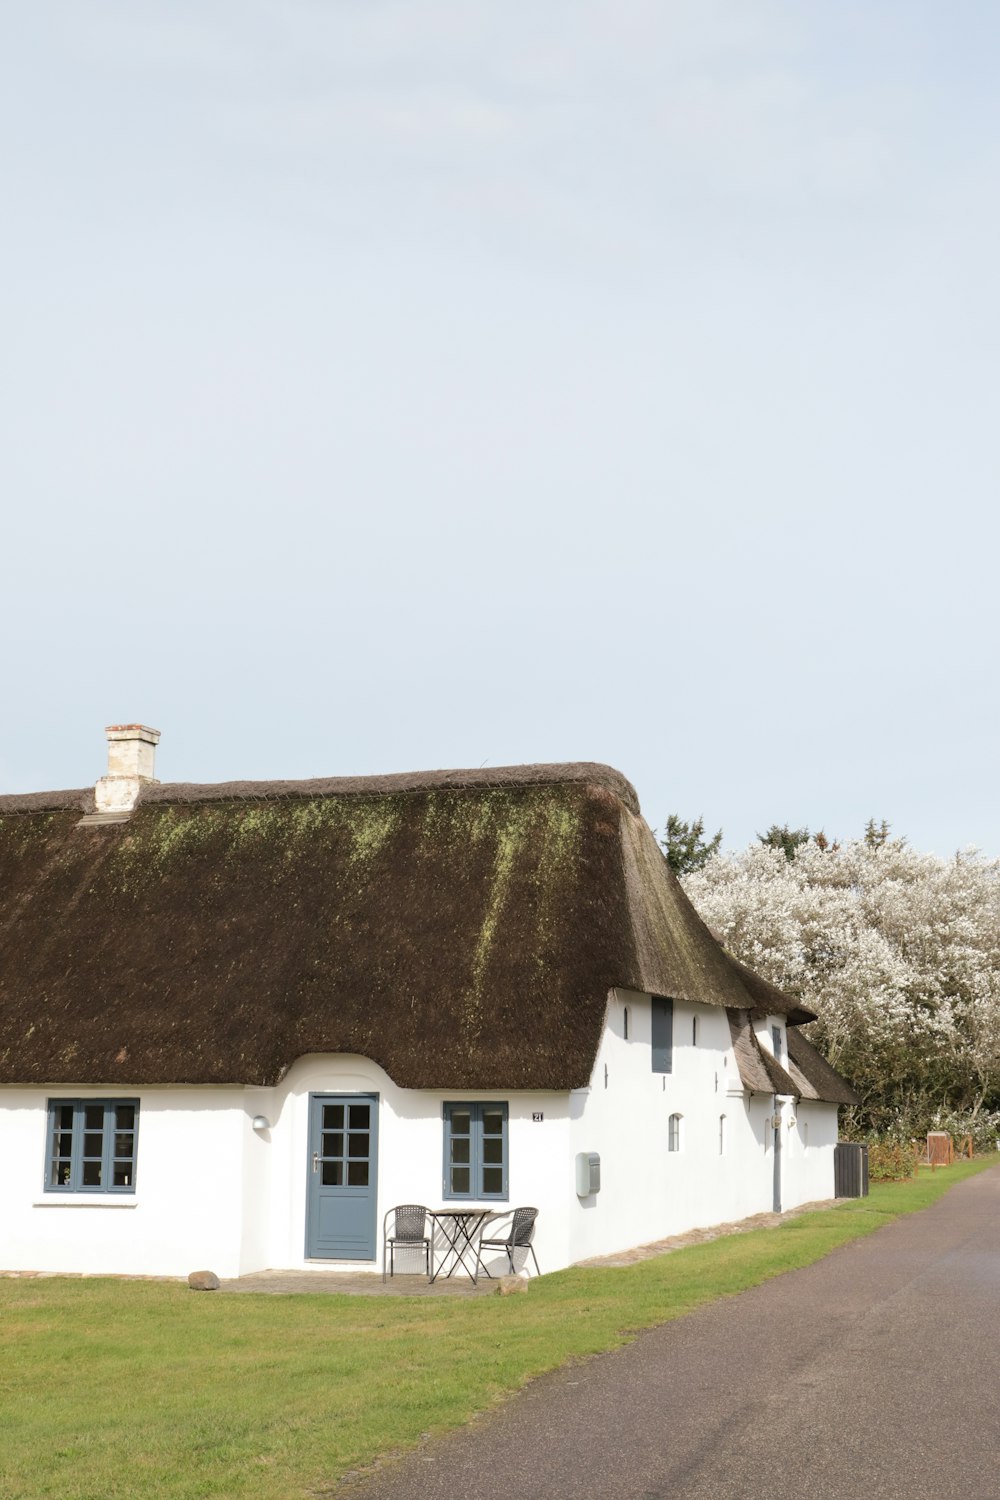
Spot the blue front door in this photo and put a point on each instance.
(342, 1180)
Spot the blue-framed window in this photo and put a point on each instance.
(475, 1151)
(92, 1145)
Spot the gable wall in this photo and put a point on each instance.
(648, 1192)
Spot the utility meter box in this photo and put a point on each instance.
(588, 1173)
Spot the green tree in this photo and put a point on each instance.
(686, 846)
(784, 838)
(876, 834)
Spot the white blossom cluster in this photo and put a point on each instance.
(897, 952)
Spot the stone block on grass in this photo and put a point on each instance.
(203, 1281)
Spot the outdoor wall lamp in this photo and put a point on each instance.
(260, 1122)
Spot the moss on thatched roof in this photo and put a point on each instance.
(462, 929)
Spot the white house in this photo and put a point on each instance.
(240, 1022)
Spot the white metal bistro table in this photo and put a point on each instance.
(459, 1227)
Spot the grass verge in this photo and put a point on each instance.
(123, 1390)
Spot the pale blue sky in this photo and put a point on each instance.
(391, 386)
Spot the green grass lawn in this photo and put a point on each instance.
(112, 1389)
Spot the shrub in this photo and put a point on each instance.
(890, 1161)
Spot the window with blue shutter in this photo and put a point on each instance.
(663, 1035)
(475, 1151)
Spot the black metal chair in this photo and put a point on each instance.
(409, 1229)
(518, 1237)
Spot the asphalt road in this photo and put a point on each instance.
(872, 1375)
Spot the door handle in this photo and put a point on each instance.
(315, 1161)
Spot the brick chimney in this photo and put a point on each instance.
(131, 750)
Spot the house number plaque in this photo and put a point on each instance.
(537, 1117)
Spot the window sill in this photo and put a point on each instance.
(85, 1200)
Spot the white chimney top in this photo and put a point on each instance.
(131, 751)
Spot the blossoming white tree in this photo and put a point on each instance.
(897, 952)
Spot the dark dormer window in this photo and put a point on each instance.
(663, 1035)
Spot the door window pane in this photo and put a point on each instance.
(345, 1144)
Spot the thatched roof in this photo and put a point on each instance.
(813, 1076)
(807, 1075)
(460, 928)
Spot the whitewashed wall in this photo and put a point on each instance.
(648, 1192)
(213, 1192)
(809, 1133)
(808, 1157)
(185, 1213)
(411, 1155)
